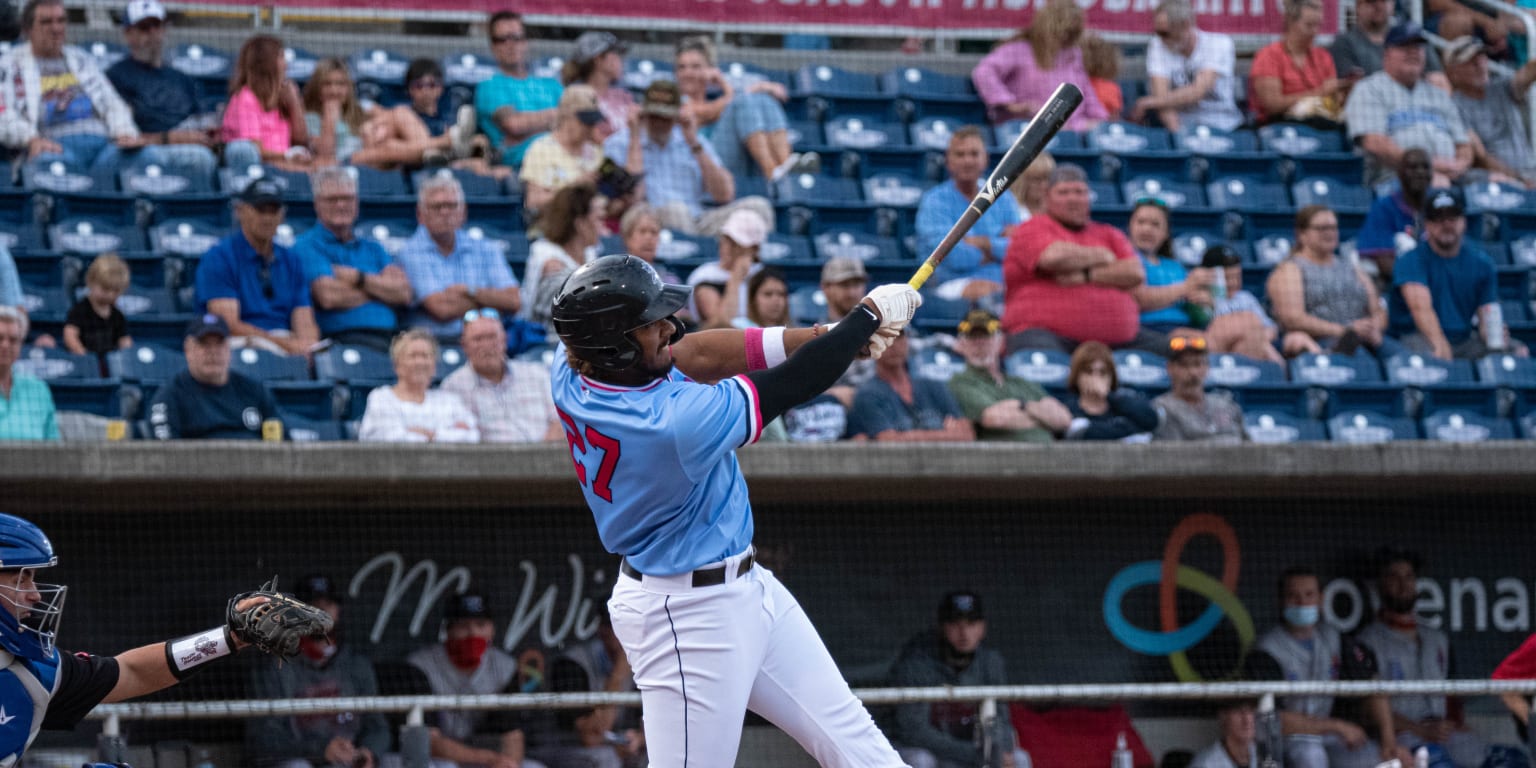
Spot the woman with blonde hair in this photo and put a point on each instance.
(343, 132)
(1017, 77)
(411, 411)
(1294, 78)
(1029, 190)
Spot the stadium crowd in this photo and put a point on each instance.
(1085, 325)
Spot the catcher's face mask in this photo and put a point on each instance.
(31, 607)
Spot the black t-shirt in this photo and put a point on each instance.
(160, 98)
(84, 680)
(185, 408)
(437, 124)
(98, 334)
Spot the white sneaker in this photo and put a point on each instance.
(462, 133)
(797, 163)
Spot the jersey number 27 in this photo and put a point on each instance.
(598, 441)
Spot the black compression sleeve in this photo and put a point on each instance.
(813, 367)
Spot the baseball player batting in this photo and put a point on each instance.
(654, 419)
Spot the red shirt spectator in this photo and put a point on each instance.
(1294, 78)
(1070, 276)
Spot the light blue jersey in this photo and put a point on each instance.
(658, 466)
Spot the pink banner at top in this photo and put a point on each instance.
(1240, 17)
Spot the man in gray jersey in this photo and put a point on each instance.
(1406, 650)
(1307, 649)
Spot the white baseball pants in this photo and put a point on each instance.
(703, 656)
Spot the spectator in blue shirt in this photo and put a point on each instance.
(163, 99)
(209, 401)
(449, 272)
(256, 285)
(26, 405)
(1445, 286)
(1392, 225)
(514, 108)
(978, 258)
(355, 287)
(681, 169)
(896, 406)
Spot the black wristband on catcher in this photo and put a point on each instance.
(184, 655)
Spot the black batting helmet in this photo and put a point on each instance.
(604, 300)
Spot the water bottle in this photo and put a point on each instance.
(1219, 285)
(1122, 758)
(1493, 328)
(1421, 757)
(1269, 744)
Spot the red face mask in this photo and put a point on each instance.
(466, 652)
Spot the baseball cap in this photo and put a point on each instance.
(1443, 203)
(469, 605)
(662, 98)
(580, 101)
(591, 45)
(840, 269)
(316, 586)
(1220, 255)
(262, 191)
(207, 323)
(139, 10)
(960, 605)
(746, 228)
(978, 322)
(1406, 33)
(1462, 50)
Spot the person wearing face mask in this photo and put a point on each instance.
(464, 664)
(1407, 650)
(1309, 650)
(324, 669)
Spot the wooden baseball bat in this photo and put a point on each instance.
(1051, 117)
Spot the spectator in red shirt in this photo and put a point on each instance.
(1293, 78)
(1068, 279)
(1520, 665)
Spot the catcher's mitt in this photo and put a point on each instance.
(276, 625)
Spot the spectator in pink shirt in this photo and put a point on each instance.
(1018, 76)
(264, 121)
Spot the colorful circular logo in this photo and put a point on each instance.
(1170, 575)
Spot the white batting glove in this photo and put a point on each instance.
(896, 303)
(878, 343)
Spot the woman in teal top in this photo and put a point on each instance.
(1171, 297)
(26, 405)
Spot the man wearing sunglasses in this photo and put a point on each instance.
(514, 107)
(1189, 73)
(163, 99)
(1188, 412)
(255, 284)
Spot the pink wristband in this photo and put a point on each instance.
(752, 339)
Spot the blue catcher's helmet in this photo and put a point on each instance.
(27, 625)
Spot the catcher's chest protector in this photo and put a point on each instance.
(25, 688)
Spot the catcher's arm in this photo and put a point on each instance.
(265, 618)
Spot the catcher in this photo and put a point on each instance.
(43, 688)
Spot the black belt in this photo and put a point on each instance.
(704, 577)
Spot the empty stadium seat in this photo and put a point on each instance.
(1169, 164)
(316, 400)
(1189, 247)
(58, 176)
(513, 246)
(301, 64)
(1330, 370)
(806, 134)
(1271, 250)
(934, 132)
(1507, 370)
(893, 189)
(1335, 194)
(825, 80)
(807, 305)
(1205, 140)
(89, 237)
(1048, 368)
(858, 245)
(208, 67)
(300, 429)
(155, 181)
(145, 363)
(105, 53)
(941, 315)
(102, 397)
(1364, 427)
(926, 84)
(467, 68)
(680, 247)
(48, 363)
(1345, 168)
(1485, 399)
(1289, 398)
(934, 362)
(1126, 137)
(1228, 370)
(819, 190)
(1174, 194)
(1005, 134)
(1276, 427)
(1492, 196)
(184, 237)
(380, 75)
(1421, 370)
(1142, 370)
(1458, 426)
(261, 365)
(640, 72)
(1238, 194)
(353, 364)
(779, 248)
(864, 132)
(1291, 139)
(391, 234)
(295, 185)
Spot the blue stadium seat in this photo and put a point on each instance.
(306, 430)
(467, 68)
(1291, 399)
(1486, 399)
(1522, 251)
(295, 185)
(102, 397)
(1332, 370)
(806, 134)
(859, 245)
(374, 183)
(1237, 194)
(1255, 167)
(807, 305)
(1338, 196)
(476, 186)
(180, 237)
(49, 363)
(154, 181)
(1460, 426)
(105, 52)
(1004, 134)
(934, 362)
(450, 357)
(1126, 137)
(825, 80)
(678, 247)
(1275, 427)
(1295, 140)
(57, 176)
(317, 400)
(1343, 167)
(138, 303)
(1175, 194)
(894, 189)
(208, 67)
(1271, 250)
(1091, 161)
(1420, 370)
(1048, 368)
(89, 237)
(934, 132)
(941, 315)
(639, 72)
(1205, 140)
(1229, 370)
(927, 85)
(391, 234)
(546, 67)
(540, 353)
(744, 74)
(1170, 164)
(863, 132)
(1142, 370)
(301, 64)
(819, 190)
(1375, 396)
(1527, 424)
(145, 363)
(777, 248)
(350, 364)
(1495, 197)
(261, 365)
(1365, 427)
(380, 75)
(1189, 247)
(1507, 370)
(1104, 194)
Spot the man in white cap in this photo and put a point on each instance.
(163, 99)
(1493, 104)
(720, 288)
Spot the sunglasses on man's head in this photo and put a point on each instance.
(1182, 343)
(484, 312)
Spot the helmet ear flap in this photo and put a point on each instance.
(677, 331)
